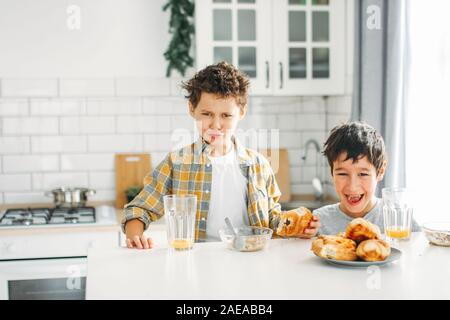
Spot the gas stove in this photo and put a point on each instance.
(47, 216)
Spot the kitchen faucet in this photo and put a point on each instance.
(316, 182)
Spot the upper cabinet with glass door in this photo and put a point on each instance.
(239, 32)
(286, 47)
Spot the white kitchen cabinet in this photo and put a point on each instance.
(287, 47)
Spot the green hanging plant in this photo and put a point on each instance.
(181, 26)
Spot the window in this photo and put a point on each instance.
(428, 123)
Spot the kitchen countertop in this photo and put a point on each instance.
(158, 225)
(287, 269)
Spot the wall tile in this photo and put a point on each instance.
(14, 145)
(114, 106)
(102, 180)
(30, 163)
(302, 189)
(54, 107)
(27, 197)
(15, 182)
(86, 87)
(143, 87)
(29, 87)
(30, 126)
(62, 144)
(103, 195)
(290, 139)
(115, 143)
(165, 142)
(310, 122)
(143, 124)
(49, 181)
(87, 162)
(83, 125)
(14, 107)
(314, 105)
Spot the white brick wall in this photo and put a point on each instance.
(30, 163)
(87, 125)
(115, 143)
(86, 87)
(87, 162)
(61, 144)
(48, 181)
(143, 87)
(13, 107)
(52, 107)
(15, 182)
(30, 126)
(14, 145)
(58, 132)
(102, 180)
(114, 106)
(29, 87)
(144, 124)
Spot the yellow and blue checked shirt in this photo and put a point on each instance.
(189, 171)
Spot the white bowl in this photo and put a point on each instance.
(248, 238)
(437, 233)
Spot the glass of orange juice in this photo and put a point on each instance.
(397, 214)
(180, 211)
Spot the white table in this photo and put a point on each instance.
(286, 269)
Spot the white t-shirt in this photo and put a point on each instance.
(228, 195)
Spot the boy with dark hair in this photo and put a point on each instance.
(228, 179)
(357, 158)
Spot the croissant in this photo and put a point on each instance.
(294, 222)
(360, 229)
(334, 247)
(373, 250)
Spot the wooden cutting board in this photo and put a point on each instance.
(279, 161)
(131, 168)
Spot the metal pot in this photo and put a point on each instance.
(70, 197)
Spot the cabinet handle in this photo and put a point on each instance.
(267, 74)
(281, 75)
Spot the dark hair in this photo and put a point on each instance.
(222, 79)
(357, 139)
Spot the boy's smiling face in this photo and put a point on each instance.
(355, 184)
(217, 119)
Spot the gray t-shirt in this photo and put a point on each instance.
(333, 220)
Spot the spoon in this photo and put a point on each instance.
(230, 226)
(238, 242)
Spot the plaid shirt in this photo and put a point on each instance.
(189, 171)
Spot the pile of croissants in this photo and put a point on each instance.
(360, 241)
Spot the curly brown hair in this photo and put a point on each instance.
(222, 79)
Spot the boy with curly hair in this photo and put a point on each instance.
(228, 179)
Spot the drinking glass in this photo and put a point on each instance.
(397, 214)
(180, 211)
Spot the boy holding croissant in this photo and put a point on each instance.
(228, 179)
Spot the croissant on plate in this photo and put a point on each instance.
(360, 229)
(334, 247)
(373, 250)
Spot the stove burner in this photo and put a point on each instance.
(22, 221)
(40, 216)
(71, 219)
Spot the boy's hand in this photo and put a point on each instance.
(139, 242)
(135, 235)
(312, 229)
